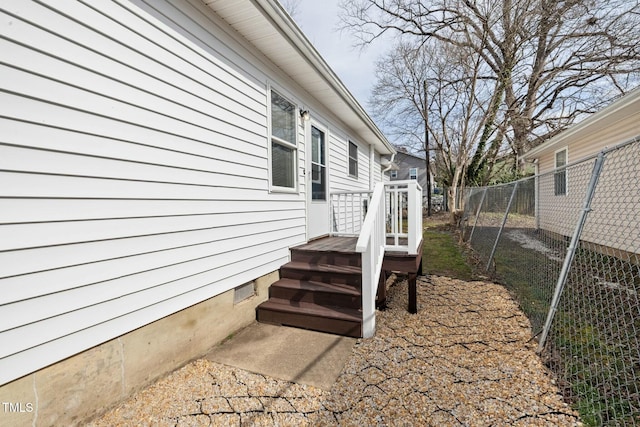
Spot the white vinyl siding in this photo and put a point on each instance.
(339, 164)
(341, 181)
(616, 124)
(135, 175)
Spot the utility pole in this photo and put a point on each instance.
(426, 147)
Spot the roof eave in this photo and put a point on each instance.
(284, 26)
(619, 108)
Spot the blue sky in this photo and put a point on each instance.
(355, 67)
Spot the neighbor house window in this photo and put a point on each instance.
(413, 173)
(283, 142)
(353, 159)
(560, 176)
(394, 174)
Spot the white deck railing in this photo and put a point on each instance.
(404, 222)
(403, 214)
(347, 211)
(371, 242)
(389, 219)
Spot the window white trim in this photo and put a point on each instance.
(560, 175)
(352, 160)
(292, 145)
(413, 173)
(394, 174)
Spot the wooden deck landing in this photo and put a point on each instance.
(342, 244)
(334, 244)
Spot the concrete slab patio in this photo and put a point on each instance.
(290, 354)
(465, 359)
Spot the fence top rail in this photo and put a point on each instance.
(504, 184)
(584, 159)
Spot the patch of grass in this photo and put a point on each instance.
(530, 276)
(588, 346)
(441, 254)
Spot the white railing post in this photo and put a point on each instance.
(330, 214)
(412, 220)
(353, 214)
(401, 195)
(396, 212)
(371, 245)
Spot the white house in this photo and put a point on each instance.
(565, 163)
(158, 158)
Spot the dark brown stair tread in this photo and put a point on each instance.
(325, 268)
(286, 306)
(314, 286)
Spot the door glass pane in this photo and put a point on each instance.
(318, 185)
(318, 168)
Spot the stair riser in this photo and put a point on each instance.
(341, 327)
(320, 298)
(354, 280)
(333, 258)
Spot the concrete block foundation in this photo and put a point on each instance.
(83, 386)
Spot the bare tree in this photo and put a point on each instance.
(552, 60)
(458, 93)
(292, 7)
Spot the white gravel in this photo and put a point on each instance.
(464, 360)
(528, 242)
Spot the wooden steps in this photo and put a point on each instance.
(318, 290)
(324, 294)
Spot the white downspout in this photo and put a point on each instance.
(372, 163)
(393, 157)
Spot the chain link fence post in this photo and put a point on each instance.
(475, 222)
(571, 250)
(504, 221)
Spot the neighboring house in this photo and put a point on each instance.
(158, 160)
(410, 166)
(560, 191)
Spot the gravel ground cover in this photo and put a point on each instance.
(465, 359)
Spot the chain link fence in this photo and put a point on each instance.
(567, 245)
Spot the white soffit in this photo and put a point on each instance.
(267, 26)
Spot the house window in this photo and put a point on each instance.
(394, 174)
(413, 173)
(353, 159)
(560, 176)
(283, 142)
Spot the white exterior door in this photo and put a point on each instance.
(318, 183)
